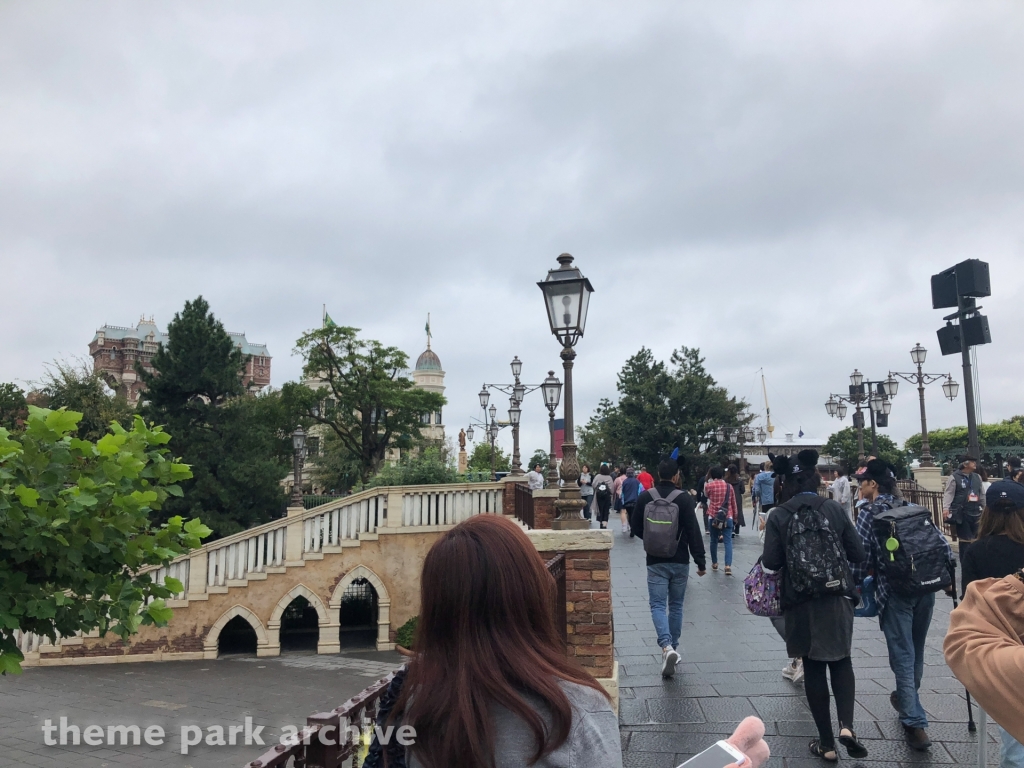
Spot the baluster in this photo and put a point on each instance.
(211, 568)
(259, 553)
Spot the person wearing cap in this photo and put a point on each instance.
(903, 620)
(961, 503)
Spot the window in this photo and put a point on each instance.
(424, 418)
(437, 418)
(313, 445)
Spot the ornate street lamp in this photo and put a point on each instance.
(492, 412)
(298, 454)
(469, 433)
(890, 386)
(484, 396)
(832, 406)
(514, 413)
(517, 367)
(918, 354)
(761, 435)
(842, 411)
(552, 391)
(856, 378)
(950, 388)
(875, 394)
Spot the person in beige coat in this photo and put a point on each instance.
(984, 648)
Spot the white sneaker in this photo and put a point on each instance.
(798, 676)
(669, 659)
(625, 528)
(789, 671)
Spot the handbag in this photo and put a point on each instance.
(868, 607)
(762, 590)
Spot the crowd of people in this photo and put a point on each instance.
(489, 683)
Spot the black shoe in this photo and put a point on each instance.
(917, 738)
(854, 748)
(894, 701)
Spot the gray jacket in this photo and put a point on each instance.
(593, 741)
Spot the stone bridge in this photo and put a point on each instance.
(311, 567)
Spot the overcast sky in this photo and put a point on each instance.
(773, 183)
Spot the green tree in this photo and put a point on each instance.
(661, 406)
(335, 468)
(953, 440)
(237, 445)
(75, 529)
(13, 409)
(424, 467)
(480, 458)
(75, 386)
(360, 394)
(843, 445)
(538, 457)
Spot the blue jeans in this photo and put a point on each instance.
(666, 587)
(905, 622)
(1011, 754)
(725, 533)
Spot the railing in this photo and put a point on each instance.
(342, 522)
(176, 570)
(343, 748)
(556, 567)
(311, 500)
(931, 500)
(524, 505)
(442, 507)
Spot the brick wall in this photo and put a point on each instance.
(588, 595)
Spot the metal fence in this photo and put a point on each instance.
(524, 505)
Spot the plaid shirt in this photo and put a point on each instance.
(860, 571)
(715, 491)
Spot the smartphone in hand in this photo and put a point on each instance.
(718, 755)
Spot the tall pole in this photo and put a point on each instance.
(926, 450)
(490, 434)
(570, 465)
(858, 421)
(517, 465)
(552, 476)
(973, 444)
(296, 499)
(874, 434)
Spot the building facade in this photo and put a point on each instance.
(116, 349)
(429, 375)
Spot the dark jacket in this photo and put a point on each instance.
(992, 557)
(776, 531)
(691, 537)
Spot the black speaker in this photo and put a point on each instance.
(949, 339)
(972, 278)
(944, 289)
(976, 330)
(881, 419)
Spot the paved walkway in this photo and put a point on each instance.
(731, 668)
(274, 692)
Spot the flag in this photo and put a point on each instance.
(801, 432)
(328, 323)
(559, 429)
(675, 453)
(427, 328)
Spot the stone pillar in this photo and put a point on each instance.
(198, 563)
(396, 512)
(293, 536)
(930, 478)
(544, 511)
(463, 462)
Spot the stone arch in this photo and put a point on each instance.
(322, 612)
(383, 604)
(213, 636)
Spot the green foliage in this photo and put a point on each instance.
(426, 467)
(406, 633)
(13, 409)
(953, 440)
(75, 529)
(75, 386)
(335, 468)
(480, 458)
(238, 446)
(361, 395)
(843, 445)
(660, 406)
(538, 457)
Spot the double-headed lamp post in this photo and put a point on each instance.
(516, 391)
(490, 426)
(567, 297)
(298, 454)
(950, 388)
(741, 436)
(552, 391)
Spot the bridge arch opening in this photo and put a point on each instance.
(237, 637)
(360, 612)
(300, 626)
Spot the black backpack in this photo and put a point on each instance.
(815, 557)
(604, 492)
(917, 562)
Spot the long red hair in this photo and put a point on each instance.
(486, 634)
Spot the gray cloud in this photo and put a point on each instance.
(773, 183)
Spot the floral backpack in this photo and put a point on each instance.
(763, 591)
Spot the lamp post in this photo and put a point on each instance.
(490, 425)
(567, 297)
(298, 453)
(516, 391)
(876, 395)
(741, 436)
(552, 391)
(950, 388)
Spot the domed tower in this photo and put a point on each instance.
(429, 375)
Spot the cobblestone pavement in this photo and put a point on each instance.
(731, 667)
(274, 692)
